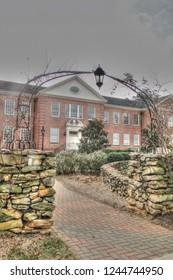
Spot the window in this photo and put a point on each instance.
(106, 116)
(8, 133)
(54, 135)
(116, 117)
(136, 120)
(9, 107)
(55, 109)
(170, 121)
(136, 139)
(126, 139)
(91, 112)
(25, 108)
(126, 118)
(74, 111)
(115, 138)
(24, 134)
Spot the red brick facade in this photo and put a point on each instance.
(63, 109)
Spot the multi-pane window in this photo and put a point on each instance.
(54, 135)
(126, 118)
(115, 138)
(25, 134)
(74, 111)
(55, 109)
(106, 116)
(8, 133)
(25, 108)
(136, 139)
(91, 112)
(136, 120)
(170, 121)
(116, 117)
(9, 107)
(126, 140)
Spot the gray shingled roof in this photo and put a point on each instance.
(17, 87)
(124, 102)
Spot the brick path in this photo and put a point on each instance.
(95, 231)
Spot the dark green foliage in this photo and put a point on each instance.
(117, 157)
(94, 138)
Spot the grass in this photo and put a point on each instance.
(33, 247)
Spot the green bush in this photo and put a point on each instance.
(68, 162)
(108, 151)
(118, 157)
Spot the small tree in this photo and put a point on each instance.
(94, 137)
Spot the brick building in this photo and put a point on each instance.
(63, 109)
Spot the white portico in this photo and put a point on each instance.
(73, 134)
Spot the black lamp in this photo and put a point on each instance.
(42, 134)
(99, 76)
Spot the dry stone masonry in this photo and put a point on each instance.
(146, 182)
(26, 191)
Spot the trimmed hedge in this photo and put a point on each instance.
(68, 162)
(117, 157)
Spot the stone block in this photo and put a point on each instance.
(11, 224)
(46, 192)
(43, 206)
(45, 224)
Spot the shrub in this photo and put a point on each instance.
(118, 157)
(68, 162)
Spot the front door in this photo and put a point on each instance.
(73, 140)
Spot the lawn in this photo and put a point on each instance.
(33, 247)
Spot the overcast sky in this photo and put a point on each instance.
(133, 36)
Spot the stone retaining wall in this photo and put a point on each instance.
(26, 191)
(146, 182)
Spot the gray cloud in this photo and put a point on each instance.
(156, 15)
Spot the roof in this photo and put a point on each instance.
(17, 87)
(124, 102)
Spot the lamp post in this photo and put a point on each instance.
(42, 134)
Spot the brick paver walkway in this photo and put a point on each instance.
(94, 230)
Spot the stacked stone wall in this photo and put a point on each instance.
(146, 182)
(26, 191)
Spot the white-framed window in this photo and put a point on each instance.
(91, 112)
(9, 107)
(126, 118)
(136, 139)
(8, 133)
(126, 140)
(116, 139)
(24, 134)
(74, 111)
(25, 108)
(136, 120)
(106, 116)
(170, 121)
(55, 109)
(116, 117)
(54, 135)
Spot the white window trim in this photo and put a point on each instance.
(128, 119)
(8, 127)
(24, 129)
(138, 119)
(118, 114)
(57, 129)
(136, 144)
(170, 121)
(58, 115)
(128, 140)
(118, 138)
(93, 117)
(5, 113)
(106, 116)
(69, 111)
